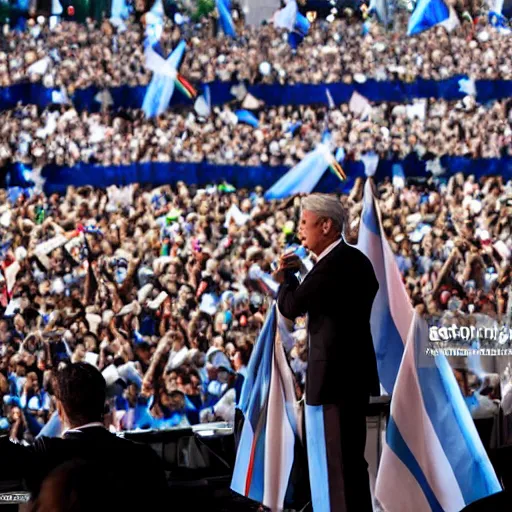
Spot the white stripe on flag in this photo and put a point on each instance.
(279, 441)
(410, 497)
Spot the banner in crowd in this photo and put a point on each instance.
(275, 94)
(57, 179)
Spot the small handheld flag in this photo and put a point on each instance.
(244, 116)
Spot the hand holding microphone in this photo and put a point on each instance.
(289, 261)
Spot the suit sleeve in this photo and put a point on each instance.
(295, 299)
(18, 461)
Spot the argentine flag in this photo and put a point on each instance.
(428, 14)
(271, 427)
(161, 88)
(432, 452)
(304, 177)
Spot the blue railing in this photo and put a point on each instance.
(59, 178)
(275, 94)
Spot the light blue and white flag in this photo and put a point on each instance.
(467, 86)
(304, 177)
(56, 8)
(244, 116)
(155, 21)
(225, 18)
(428, 14)
(432, 451)
(120, 12)
(292, 20)
(382, 9)
(330, 100)
(203, 103)
(271, 426)
(287, 16)
(496, 18)
(160, 90)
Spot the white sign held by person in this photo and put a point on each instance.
(156, 303)
(13, 305)
(417, 110)
(234, 214)
(39, 67)
(360, 106)
(45, 248)
(10, 275)
(122, 197)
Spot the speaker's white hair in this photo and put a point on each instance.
(326, 205)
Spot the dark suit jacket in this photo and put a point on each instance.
(138, 466)
(337, 295)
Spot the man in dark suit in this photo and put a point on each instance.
(337, 296)
(80, 396)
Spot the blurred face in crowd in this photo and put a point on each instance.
(237, 361)
(33, 382)
(20, 370)
(195, 385)
(15, 414)
(223, 376)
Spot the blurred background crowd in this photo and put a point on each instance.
(346, 50)
(166, 290)
(284, 135)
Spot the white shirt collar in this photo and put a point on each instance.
(80, 428)
(328, 249)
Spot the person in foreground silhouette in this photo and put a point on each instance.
(80, 397)
(79, 486)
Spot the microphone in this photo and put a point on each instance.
(298, 250)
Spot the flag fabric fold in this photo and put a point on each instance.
(428, 14)
(499, 22)
(304, 177)
(382, 8)
(432, 449)
(165, 71)
(265, 454)
(286, 17)
(244, 116)
(225, 18)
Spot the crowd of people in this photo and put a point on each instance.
(166, 290)
(284, 136)
(77, 56)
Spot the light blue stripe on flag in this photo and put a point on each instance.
(317, 458)
(256, 384)
(257, 483)
(396, 442)
(253, 403)
(303, 178)
(225, 19)
(53, 427)
(427, 14)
